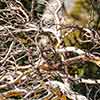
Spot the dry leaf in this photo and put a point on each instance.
(63, 97)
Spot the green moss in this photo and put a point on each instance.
(72, 39)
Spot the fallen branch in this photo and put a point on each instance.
(89, 81)
(70, 49)
(65, 88)
(83, 56)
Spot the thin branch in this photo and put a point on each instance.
(10, 48)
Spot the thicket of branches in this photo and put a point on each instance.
(42, 57)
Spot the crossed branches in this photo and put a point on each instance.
(27, 46)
